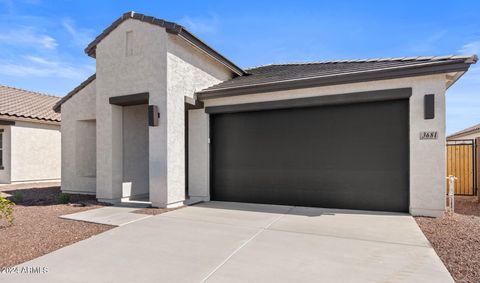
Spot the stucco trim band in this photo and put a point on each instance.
(131, 99)
(346, 98)
(335, 79)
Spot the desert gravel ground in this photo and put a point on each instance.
(37, 229)
(456, 238)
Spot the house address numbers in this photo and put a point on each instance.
(431, 135)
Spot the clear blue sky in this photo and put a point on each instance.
(42, 41)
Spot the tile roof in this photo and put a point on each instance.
(290, 72)
(170, 27)
(21, 103)
(278, 73)
(469, 130)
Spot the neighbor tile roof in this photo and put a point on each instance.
(16, 102)
(470, 130)
(278, 73)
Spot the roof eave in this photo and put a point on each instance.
(58, 105)
(464, 133)
(410, 71)
(461, 135)
(24, 118)
(195, 41)
(454, 79)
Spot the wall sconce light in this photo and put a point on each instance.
(153, 115)
(429, 104)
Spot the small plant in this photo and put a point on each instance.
(17, 197)
(6, 210)
(63, 198)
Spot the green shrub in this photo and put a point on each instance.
(63, 198)
(17, 197)
(6, 210)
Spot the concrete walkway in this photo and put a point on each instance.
(110, 215)
(232, 242)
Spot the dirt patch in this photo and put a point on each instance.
(456, 239)
(37, 228)
(154, 211)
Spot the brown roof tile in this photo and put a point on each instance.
(325, 70)
(17, 102)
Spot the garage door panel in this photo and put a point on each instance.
(319, 192)
(347, 156)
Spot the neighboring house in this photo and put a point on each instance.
(470, 133)
(29, 136)
(339, 134)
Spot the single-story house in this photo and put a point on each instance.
(168, 119)
(469, 133)
(29, 136)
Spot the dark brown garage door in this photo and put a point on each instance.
(352, 156)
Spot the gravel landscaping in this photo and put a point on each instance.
(456, 238)
(37, 229)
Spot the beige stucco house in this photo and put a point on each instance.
(470, 133)
(169, 120)
(29, 136)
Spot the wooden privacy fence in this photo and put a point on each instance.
(462, 163)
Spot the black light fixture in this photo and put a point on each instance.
(153, 115)
(429, 104)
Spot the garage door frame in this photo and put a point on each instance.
(327, 100)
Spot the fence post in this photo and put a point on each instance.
(451, 193)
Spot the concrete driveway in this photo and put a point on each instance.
(233, 242)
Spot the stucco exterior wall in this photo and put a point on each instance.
(5, 172)
(79, 142)
(198, 155)
(35, 152)
(85, 148)
(135, 151)
(427, 157)
(118, 73)
(188, 70)
(168, 69)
